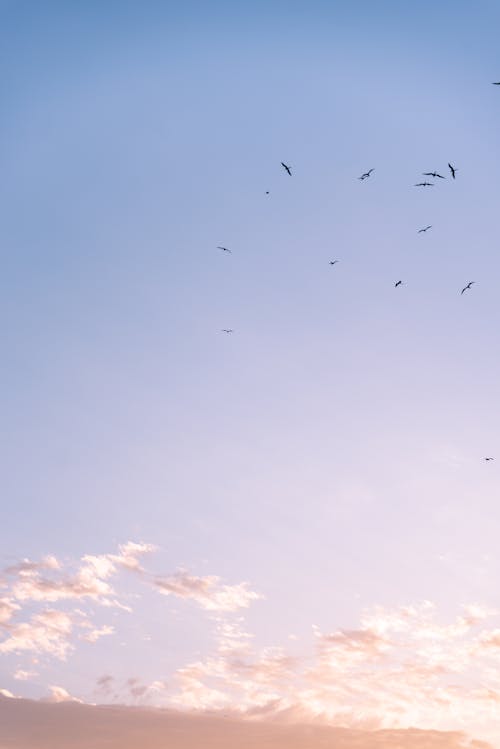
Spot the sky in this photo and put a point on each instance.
(292, 523)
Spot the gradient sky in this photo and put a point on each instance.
(295, 519)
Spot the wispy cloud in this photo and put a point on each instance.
(94, 579)
(208, 592)
(32, 583)
(401, 667)
(23, 675)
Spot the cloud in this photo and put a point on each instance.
(7, 610)
(27, 568)
(49, 581)
(47, 632)
(75, 726)
(21, 675)
(89, 581)
(96, 634)
(59, 694)
(207, 592)
(104, 684)
(400, 667)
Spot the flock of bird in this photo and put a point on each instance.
(362, 177)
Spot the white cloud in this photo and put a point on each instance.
(96, 634)
(59, 694)
(47, 632)
(21, 675)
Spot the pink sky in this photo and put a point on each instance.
(293, 524)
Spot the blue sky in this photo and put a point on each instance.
(330, 451)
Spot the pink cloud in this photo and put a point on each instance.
(47, 632)
(59, 694)
(207, 592)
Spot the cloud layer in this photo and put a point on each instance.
(400, 667)
(64, 724)
(31, 622)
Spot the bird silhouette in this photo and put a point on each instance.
(332, 262)
(227, 330)
(496, 83)
(467, 287)
(366, 174)
(426, 228)
(398, 283)
(452, 170)
(424, 184)
(490, 458)
(224, 249)
(433, 174)
(287, 168)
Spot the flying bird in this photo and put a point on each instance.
(425, 184)
(227, 330)
(490, 458)
(332, 262)
(433, 174)
(496, 83)
(398, 283)
(366, 174)
(224, 249)
(426, 228)
(452, 170)
(467, 287)
(287, 168)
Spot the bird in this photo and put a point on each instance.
(267, 192)
(425, 229)
(332, 262)
(467, 287)
(366, 174)
(433, 174)
(496, 83)
(287, 168)
(398, 283)
(224, 249)
(452, 170)
(489, 458)
(425, 184)
(227, 330)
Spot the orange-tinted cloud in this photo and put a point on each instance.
(67, 725)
